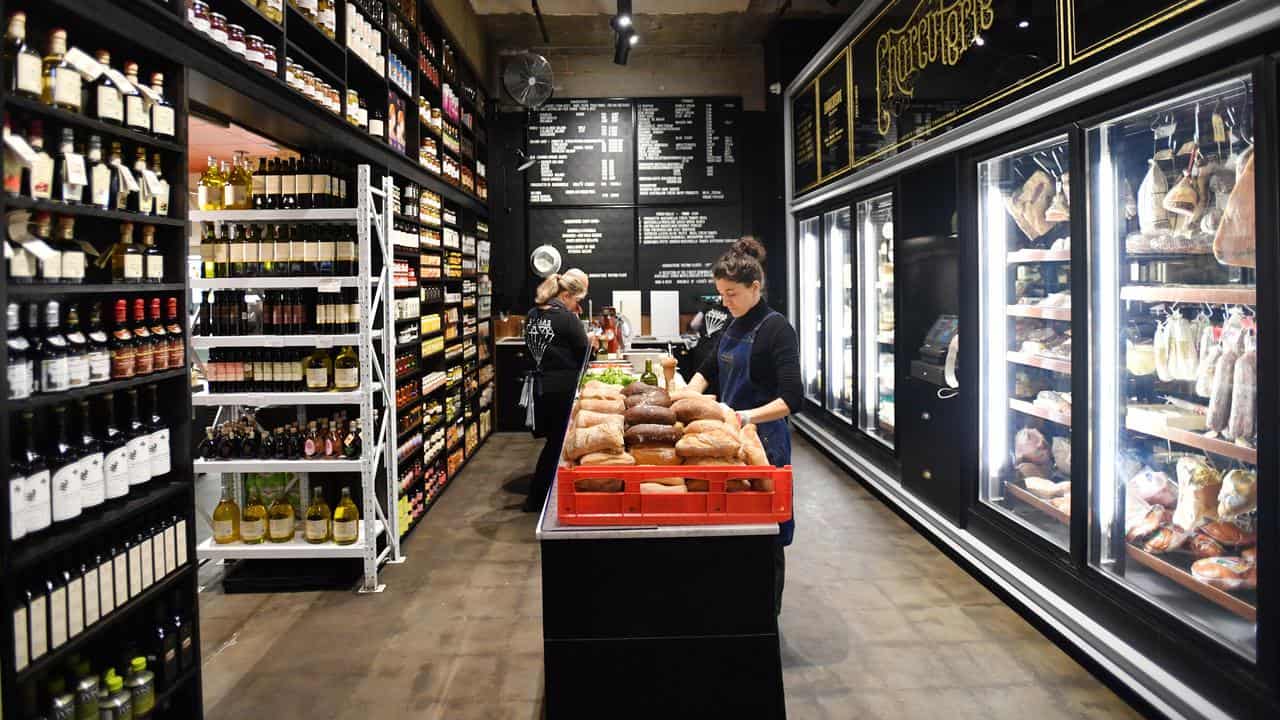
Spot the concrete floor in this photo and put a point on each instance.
(876, 623)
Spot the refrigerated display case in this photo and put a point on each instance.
(810, 296)
(839, 313)
(1174, 482)
(1024, 240)
(876, 319)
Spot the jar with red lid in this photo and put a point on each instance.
(198, 15)
(269, 60)
(235, 39)
(253, 49)
(218, 27)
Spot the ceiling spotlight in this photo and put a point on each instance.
(633, 38)
(1024, 24)
(622, 20)
(979, 40)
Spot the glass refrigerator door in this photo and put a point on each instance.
(839, 315)
(1025, 314)
(876, 321)
(1175, 474)
(810, 293)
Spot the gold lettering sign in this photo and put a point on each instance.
(937, 31)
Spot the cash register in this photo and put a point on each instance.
(937, 356)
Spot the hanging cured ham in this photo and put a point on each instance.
(1234, 242)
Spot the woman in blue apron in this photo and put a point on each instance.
(756, 368)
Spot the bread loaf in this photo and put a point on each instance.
(659, 488)
(697, 408)
(762, 484)
(657, 397)
(600, 391)
(598, 439)
(615, 406)
(697, 484)
(666, 480)
(1226, 573)
(721, 460)
(701, 426)
(589, 418)
(607, 459)
(684, 393)
(612, 485)
(650, 415)
(737, 485)
(651, 435)
(713, 443)
(638, 387)
(752, 448)
(655, 454)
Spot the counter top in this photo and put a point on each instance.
(549, 528)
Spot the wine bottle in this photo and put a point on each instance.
(61, 84)
(107, 101)
(139, 450)
(143, 349)
(22, 64)
(69, 177)
(159, 338)
(209, 189)
(346, 520)
(173, 330)
(346, 369)
(136, 116)
(127, 260)
(37, 510)
(158, 440)
(162, 112)
(100, 175)
(162, 191)
(39, 176)
(120, 187)
(253, 520)
(143, 201)
(73, 260)
(92, 468)
(99, 352)
(53, 353)
(65, 480)
(18, 367)
(77, 351)
(123, 350)
(51, 265)
(259, 185)
(318, 518)
(115, 446)
(319, 371)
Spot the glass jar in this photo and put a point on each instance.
(236, 39)
(269, 60)
(292, 74)
(273, 9)
(253, 49)
(353, 107)
(218, 27)
(309, 84)
(198, 15)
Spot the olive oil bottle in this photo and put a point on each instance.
(280, 519)
(226, 516)
(253, 521)
(318, 518)
(346, 520)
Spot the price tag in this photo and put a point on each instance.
(152, 181)
(19, 146)
(274, 341)
(80, 60)
(122, 82)
(76, 173)
(323, 341)
(126, 177)
(329, 285)
(33, 244)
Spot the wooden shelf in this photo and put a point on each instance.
(1031, 256)
(1226, 600)
(1215, 294)
(1040, 313)
(67, 118)
(1027, 408)
(90, 211)
(1027, 497)
(1039, 361)
(1196, 440)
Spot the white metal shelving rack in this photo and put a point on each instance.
(376, 377)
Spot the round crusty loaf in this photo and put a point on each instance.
(650, 415)
(655, 455)
(657, 397)
(637, 388)
(652, 434)
(691, 409)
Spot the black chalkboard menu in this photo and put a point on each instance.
(585, 152)
(804, 139)
(833, 94)
(678, 246)
(600, 241)
(687, 150)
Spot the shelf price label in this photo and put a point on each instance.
(21, 148)
(89, 68)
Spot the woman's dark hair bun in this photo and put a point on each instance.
(751, 247)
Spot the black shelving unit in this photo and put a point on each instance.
(165, 501)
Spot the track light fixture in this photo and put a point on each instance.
(622, 20)
(624, 32)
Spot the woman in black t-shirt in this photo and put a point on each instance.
(558, 344)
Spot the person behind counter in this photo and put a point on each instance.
(558, 343)
(755, 368)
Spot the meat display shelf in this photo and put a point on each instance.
(265, 399)
(270, 341)
(1039, 361)
(1027, 408)
(1029, 498)
(1222, 598)
(1040, 313)
(295, 549)
(279, 216)
(287, 282)
(1030, 256)
(1216, 446)
(1218, 294)
(250, 465)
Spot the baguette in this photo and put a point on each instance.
(590, 418)
(701, 426)
(653, 454)
(691, 409)
(598, 439)
(752, 448)
(601, 392)
(599, 458)
(713, 443)
(613, 407)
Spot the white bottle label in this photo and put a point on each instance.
(326, 251)
(311, 252)
(99, 366)
(57, 618)
(250, 252)
(120, 573)
(23, 263)
(21, 658)
(135, 112)
(303, 184)
(19, 378)
(75, 607)
(73, 265)
(159, 447)
(28, 73)
(170, 549)
(162, 199)
(250, 530)
(51, 267)
(133, 267)
(157, 547)
(92, 480)
(345, 530)
(317, 379)
(139, 461)
(66, 492)
(116, 468)
(42, 177)
(346, 250)
(17, 505)
(317, 529)
(106, 587)
(346, 378)
(38, 514)
(180, 533)
(273, 184)
(320, 184)
(78, 371)
(162, 120)
(110, 104)
(222, 529)
(288, 184)
(66, 87)
(38, 620)
(54, 375)
(155, 268)
(135, 570)
(100, 185)
(282, 251)
(281, 528)
(237, 252)
(234, 196)
(92, 608)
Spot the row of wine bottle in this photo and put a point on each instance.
(248, 250)
(323, 439)
(277, 523)
(232, 370)
(279, 312)
(278, 184)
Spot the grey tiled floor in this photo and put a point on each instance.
(877, 623)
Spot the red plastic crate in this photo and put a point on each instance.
(713, 507)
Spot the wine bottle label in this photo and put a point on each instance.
(75, 607)
(317, 379)
(309, 448)
(66, 492)
(259, 184)
(144, 360)
(139, 461)
(375, 127)
(180, 537)
(223, 530)
(73, 265)
(42, 177)
(250, 252)
(162, 120)
(17, 506)
(22, 264)
(326, 251)
(235, 196)
(222, 252)
(273, 184)
(123, 362)
(100, 185)
(51, 267)
(281, 527)
(92, 603)
(135, 112)
(237, 252)
(311, 252)
(159, 447)
(303, 184)
(344, 530)
(162, 200)
(37, 513)
(120, 572)
(116, 473)
(250, 530)
(53, 375)
(346, 378)
(157, 546)
(317, 530)
(38, 619)
(177, 352)
(288, 184)
(57, 618)
(155, 267)
(78, 371)
(106, 588)
(66, 87)
(92, 480)
(21, 649)
(133, 267)
(110, 104)
(346, 250)
(320, 185)
(18, 376)
(27, 73)
(281, 251)
(146, 560)
(135, 570)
